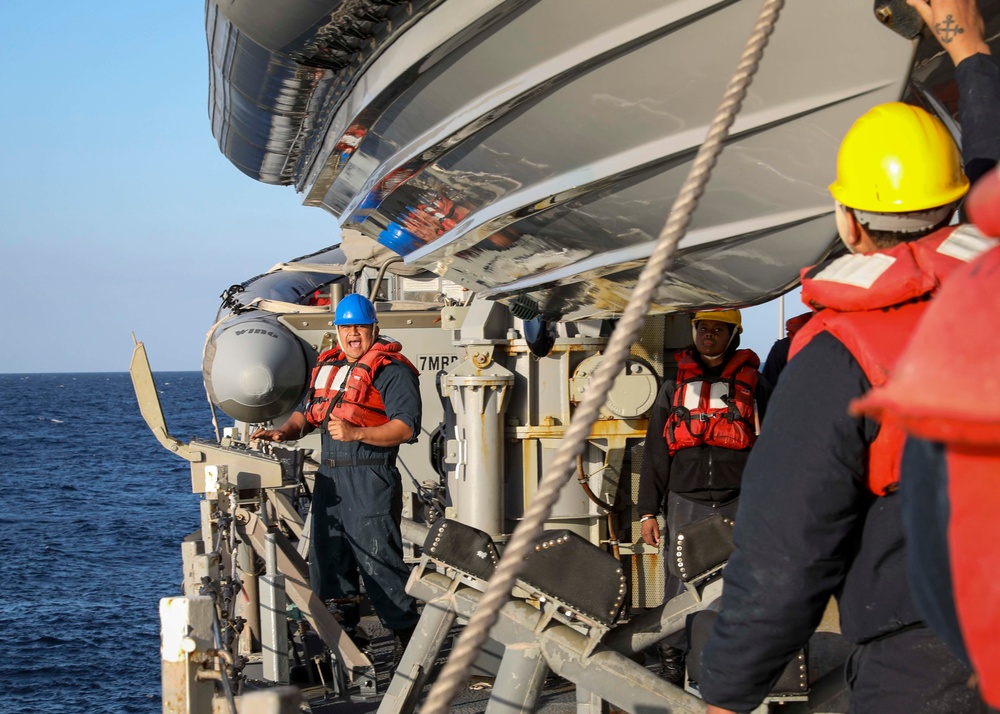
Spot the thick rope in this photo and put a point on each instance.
(529, 530)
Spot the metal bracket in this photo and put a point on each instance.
(149, 405)
(295, 569)
(480, 355)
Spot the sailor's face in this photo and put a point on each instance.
(711, 337)
(355, 340)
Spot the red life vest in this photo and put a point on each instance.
(357, 401)
(872, 303)
(713, 411)
(794, 324)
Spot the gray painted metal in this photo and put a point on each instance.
(650, 627)
(149, 405)
(589, 703)
(277, 700)
(606, 673)
(411, 675)
(295, 570)
(197, 566)
(613, 677)
(186, 639)
(478, 390)
(413, 532)
(248, 606)
(520, 679)
(273, 616)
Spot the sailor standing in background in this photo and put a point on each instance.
(820, 514)
(702, 426)
(777, 357)
(365, 396)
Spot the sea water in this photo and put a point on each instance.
(92, 514)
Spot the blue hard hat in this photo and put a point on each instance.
(355, 309)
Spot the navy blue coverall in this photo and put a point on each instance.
(357, 506)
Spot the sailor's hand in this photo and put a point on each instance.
(341, 430)
(712, 709)
(957, 24)
(268, 435)
(651, 532)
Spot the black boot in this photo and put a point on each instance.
(671, 664)
(402, 638)
(360, 640)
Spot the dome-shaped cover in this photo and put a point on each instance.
(255, 369)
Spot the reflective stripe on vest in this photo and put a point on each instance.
(713, 411)
(872, 303)
(353, 396)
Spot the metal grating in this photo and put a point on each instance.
(645, 572)
(649, 343)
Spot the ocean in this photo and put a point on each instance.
(94, 511)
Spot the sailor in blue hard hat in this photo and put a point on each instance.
(365, 397)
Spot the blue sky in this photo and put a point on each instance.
(118, 213)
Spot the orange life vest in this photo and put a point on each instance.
(713, 411)
(357, 401)
(872, 303)
(794, 324)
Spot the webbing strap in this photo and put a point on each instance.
(343, 463)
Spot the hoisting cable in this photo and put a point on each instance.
(608, 508)
(582, 478)
(227, 687)
(529, 530)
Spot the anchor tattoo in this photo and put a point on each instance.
(948, 30)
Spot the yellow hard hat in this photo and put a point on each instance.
(731, 317)
(898, 158)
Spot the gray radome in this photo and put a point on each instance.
(255, 370)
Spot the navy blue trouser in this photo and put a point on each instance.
(911, 672)
(356, 514)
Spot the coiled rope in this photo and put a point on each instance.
(529, 530)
